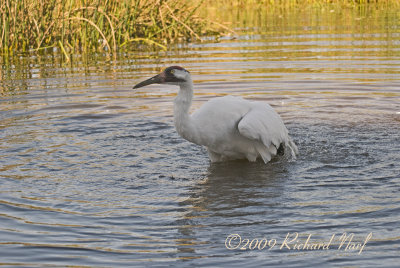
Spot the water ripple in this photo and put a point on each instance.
(94, 174)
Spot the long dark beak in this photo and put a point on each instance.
(154, 80)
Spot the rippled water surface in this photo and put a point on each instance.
(93, 173)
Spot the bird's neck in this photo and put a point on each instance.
(182, 119)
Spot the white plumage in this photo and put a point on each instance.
(230, 127)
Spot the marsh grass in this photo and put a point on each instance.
(297, 16)
(299, 4)
(286, 7)
(95, 25)
(84, 26)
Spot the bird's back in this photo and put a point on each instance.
(238, 128)
(220, 116)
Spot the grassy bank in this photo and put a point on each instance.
(279, 13)
(304, 3)
(75, 26)
(95, 25)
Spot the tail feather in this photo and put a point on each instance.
(264, 153)
(292, 147)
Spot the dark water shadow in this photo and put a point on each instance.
(239, 182)
(234, 194)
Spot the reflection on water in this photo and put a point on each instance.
(94, 174)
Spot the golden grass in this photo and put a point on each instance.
(76, 26)
(303, 3)
(288, 15)
(95, 25)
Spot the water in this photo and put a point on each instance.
(94, 174)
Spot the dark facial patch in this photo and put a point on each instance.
(169, 76)
(169, 69)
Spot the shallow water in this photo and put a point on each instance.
(94, 174)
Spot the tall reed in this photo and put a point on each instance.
(304, 3)
(112, 25)
(95, 25)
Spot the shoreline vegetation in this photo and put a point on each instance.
(76, 26)
(85, 26)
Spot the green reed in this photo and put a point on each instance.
(288, 15)
(95, 25)
(82, 26)
(304, 3)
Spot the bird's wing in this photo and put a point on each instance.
(263, 124)
(217, 119)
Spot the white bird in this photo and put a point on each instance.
(230, 127)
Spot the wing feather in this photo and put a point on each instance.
(263, 124)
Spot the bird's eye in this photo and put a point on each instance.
(172, 71)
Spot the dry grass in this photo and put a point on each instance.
(95, 25)
(76, 26)
(300, 3)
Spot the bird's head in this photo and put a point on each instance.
(173, 75)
